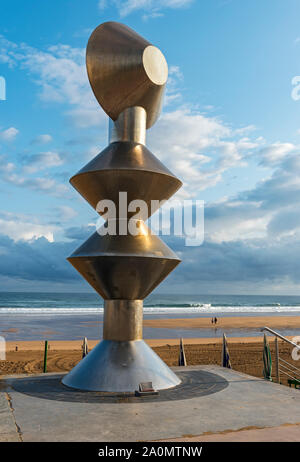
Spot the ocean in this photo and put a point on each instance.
(67, 316)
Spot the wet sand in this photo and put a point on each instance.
(33, 328)
(243, 322)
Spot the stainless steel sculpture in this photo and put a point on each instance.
(128, 76)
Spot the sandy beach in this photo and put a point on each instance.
(62, 345)
(232, 322)
(245, 354)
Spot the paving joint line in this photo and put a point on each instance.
(18, 429)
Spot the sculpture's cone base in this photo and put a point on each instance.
(120, 367)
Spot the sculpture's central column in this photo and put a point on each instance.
(123, 320)
(123, 261)
(129, 126)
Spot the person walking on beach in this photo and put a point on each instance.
(216, 320)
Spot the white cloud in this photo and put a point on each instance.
(152, 15)
(9, 134)
(152, 7)
(197, 148)
(46, 185)
(41, 161)
(66, 213)
(60, 72)
(6, 167)
(275, 153)
(21, 227)
(175, 79)
(42, 139)
(86, 116)
(233, 220)
(267, 213)
(245, 130)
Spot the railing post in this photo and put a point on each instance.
(45, 356)
(277, 360)
(85, 348)
(225, 354)
(181, 359)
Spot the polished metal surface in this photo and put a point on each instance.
(125, 70)
(124, 267)
(129, 126)
(143, 244)
(120, 367)
(123, 320)
(129, 167)
(123, 261)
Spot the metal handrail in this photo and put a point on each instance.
(294, 378)
(291, 371)
(291, 366)
(279, 360)
(280, 336)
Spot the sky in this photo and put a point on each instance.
(229, 129)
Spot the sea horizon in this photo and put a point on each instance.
(88, 302)
(70, 316)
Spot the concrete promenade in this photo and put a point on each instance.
(210, 400)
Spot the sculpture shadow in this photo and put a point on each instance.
(194, 384)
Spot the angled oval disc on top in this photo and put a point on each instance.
(125, 70)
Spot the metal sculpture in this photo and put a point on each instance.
(128, 76)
